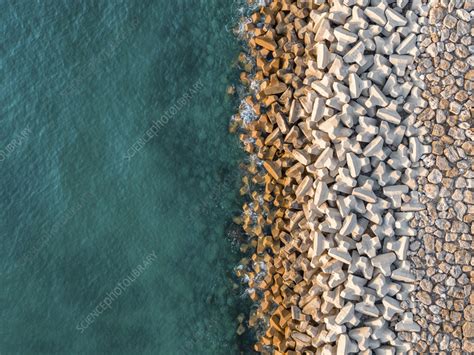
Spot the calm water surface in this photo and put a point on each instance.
(82, 81)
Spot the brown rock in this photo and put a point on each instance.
(469, 197)
(462, 257)
(461, 96)
(468, 147)
(443, 104)
(429, 242)
(469, 313)
(266, 43)
(468, 346)
(469, 75)
(275, 86)
(273, 169)
(431, 190)
(455, 316)
(468, 329)
(436, 15)
(442, 163)
(437, 147)
(457, 133)
(447, 139)
(424, 297)
(438, 130)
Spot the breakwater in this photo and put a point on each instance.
(333, 125)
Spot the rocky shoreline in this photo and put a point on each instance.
(358, 126)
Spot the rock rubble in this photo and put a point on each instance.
(361, 244)
(442, 256)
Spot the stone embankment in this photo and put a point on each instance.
(344, 219)
(442, 255)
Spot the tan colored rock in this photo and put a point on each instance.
(273, 168)
(468, 330)
(424, 297)
(275, 87)
(468, 346)
(469, 313)
(266, 43)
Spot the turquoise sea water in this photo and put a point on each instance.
(82, 81)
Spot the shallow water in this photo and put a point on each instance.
(81, 83)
